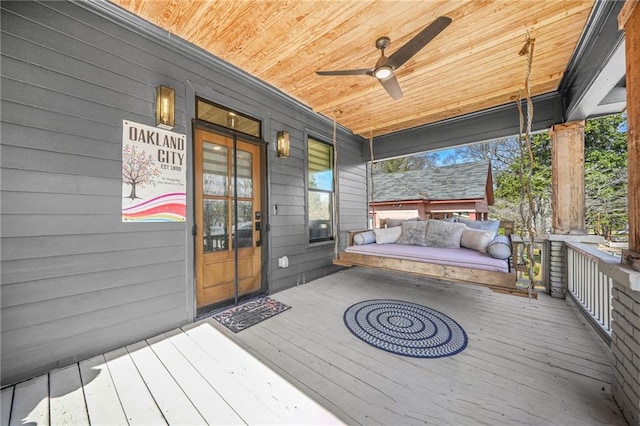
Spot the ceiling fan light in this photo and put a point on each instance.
(383, 72)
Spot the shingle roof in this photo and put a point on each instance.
(457, 182)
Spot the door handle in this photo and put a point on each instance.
(259, 229)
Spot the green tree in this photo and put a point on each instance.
(606, 175)
(508, 188)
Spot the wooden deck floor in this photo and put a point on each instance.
(527, 362)
(192, 376)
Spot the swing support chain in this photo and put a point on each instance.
(527, 204)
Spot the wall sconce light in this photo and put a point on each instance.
(231, 120)
(165, 107)
(283, 144)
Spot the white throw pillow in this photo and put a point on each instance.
(387, 235)
(476, 239)
(500, 247)
(366, 237)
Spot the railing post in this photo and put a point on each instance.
(557, 271)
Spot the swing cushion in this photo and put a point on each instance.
(500, 247)
(458, 257)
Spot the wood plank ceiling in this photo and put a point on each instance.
(472, 65)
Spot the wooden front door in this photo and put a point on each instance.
(228, 193)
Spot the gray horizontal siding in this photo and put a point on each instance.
(75, 280)
(289, 228)
(37, 290)
(83, 345)
(65, 245)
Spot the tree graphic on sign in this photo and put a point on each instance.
(138, 169)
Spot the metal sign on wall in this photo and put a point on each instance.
(154, 178)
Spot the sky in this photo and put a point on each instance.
(442, 154)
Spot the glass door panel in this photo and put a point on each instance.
(216, 225)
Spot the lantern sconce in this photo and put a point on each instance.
(283, 144)
(165, 107)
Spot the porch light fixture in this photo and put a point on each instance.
(282, 148)
(383, 72)
(165, 107)
(231, 120)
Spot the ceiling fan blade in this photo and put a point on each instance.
(367, 71)
(420, 40)
(392, 86)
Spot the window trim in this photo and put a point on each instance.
(255, 120)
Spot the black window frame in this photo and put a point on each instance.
(319, 239)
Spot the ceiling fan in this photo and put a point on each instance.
(385, 68)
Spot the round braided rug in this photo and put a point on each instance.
(405, 328)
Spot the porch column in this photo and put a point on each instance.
(567, 172)
(567, 199)
(422, 211)
(625, 331)
(629, 20)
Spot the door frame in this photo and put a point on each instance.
(264, 262)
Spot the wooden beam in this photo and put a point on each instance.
(567, 172)
(630, 18)
(626, 12)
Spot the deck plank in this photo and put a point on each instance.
(137, 402)
(31, 402)
(211, 406)
(246, 404)
(5, 405)
(67, 404)
(174, 404)
(103, 403)
(290, 405)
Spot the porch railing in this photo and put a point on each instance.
(589, 287)
(541, 262)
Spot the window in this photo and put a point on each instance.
(320, 193)
(225, 117)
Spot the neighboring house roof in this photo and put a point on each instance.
(457, 182)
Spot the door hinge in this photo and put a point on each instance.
(194, 230)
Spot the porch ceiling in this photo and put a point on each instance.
(472, 65)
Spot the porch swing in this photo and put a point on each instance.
(464, 265)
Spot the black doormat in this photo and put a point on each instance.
(244, 316)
